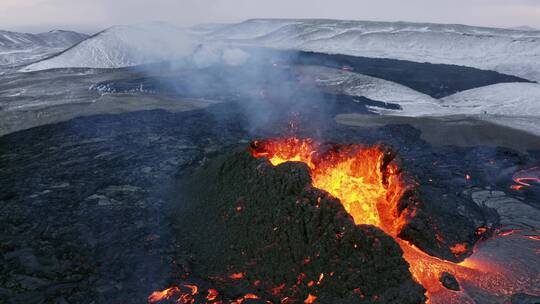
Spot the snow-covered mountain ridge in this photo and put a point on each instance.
(514, 52)
(22, 48)
(509, 51)
(56, 38)
(123, 46)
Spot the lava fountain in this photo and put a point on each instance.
(370, 188)
(359, 176)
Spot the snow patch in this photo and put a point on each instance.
(518, 99)
(515, 105)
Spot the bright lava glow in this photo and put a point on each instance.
(525, 178)
(369, 192)
(352, 174)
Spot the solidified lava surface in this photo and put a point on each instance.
(255, 228)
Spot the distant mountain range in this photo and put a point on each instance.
(524, 28)
(22, 48)
(509, 51)
(513, 52)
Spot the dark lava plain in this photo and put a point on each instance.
(88, 207)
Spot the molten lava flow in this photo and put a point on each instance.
(354, 174)
(166, 294)
(189, 294)
(525, 178)
(369, 189)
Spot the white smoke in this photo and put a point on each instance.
(235, 56)
(208, 55)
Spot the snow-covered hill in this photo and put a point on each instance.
(122, 46)
(22, 48)
(516, 105)
(510, 51)
(519, 99)
(514, 52)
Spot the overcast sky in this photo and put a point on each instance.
(93, 15)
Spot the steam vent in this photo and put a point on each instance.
(294, 221)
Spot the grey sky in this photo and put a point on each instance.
(94, 15)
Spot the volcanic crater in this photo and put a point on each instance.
(291, 220)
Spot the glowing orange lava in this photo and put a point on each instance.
(157, 296)
(369, 189)
(189, 294)
(525, 178)
(354, 174)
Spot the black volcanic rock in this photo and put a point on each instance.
(424, 230)
(239, 214)
(449, 281)
(445, 225)
(442, 225)
(523, 298)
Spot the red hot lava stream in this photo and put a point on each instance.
(525, 178)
